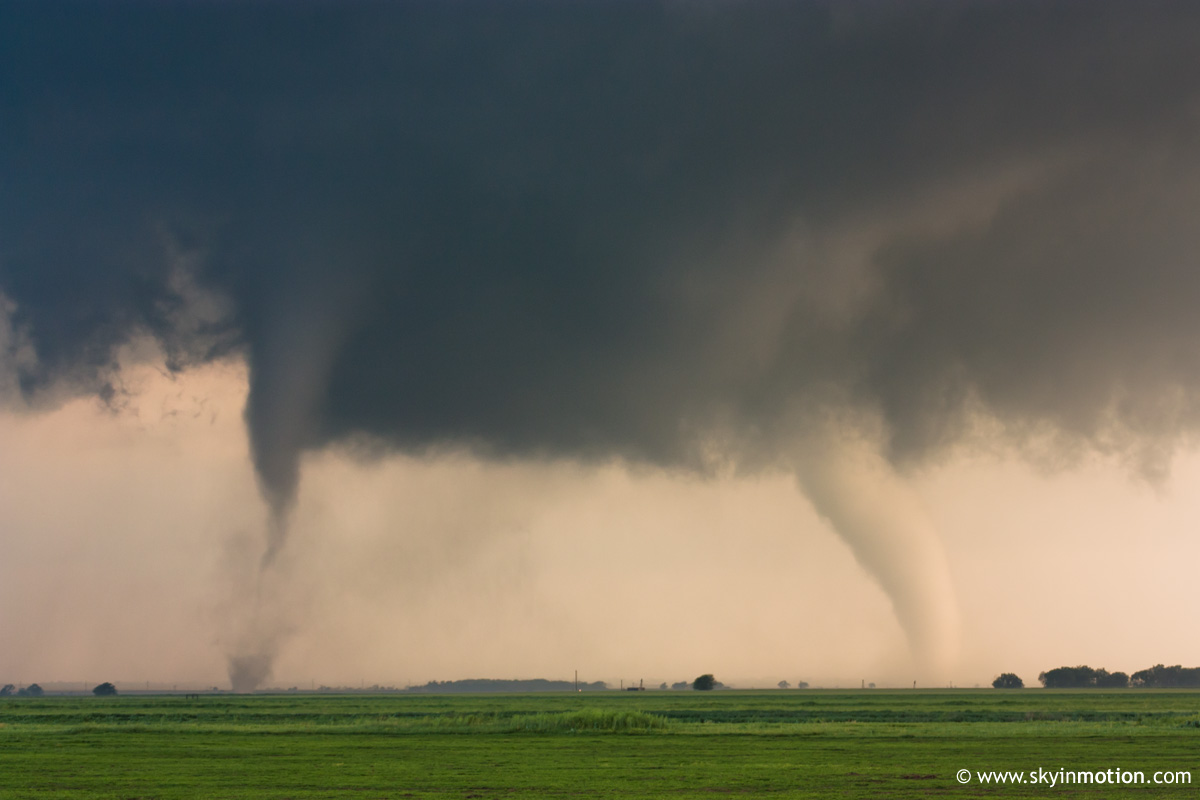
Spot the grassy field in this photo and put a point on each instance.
(604, 745)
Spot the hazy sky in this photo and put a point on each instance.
(130, 538)
(821, 341)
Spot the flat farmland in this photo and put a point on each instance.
(787, 744)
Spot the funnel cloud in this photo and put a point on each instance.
(680, 235)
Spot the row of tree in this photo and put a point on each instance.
(33, 690)
(1160, 677)
(1085, 677)
(494, 685)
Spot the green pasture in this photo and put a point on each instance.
(654, 744)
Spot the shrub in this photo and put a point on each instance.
(1008, 680)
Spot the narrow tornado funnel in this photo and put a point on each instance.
(880, 518)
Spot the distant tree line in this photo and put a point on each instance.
(1156, 677)
(490, 685)
(33, 690)
(1160, 677)
(1083, 677)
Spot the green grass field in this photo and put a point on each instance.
(783, 744)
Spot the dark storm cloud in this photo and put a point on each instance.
(633, 229)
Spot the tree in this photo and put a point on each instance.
(105, 689)
(1160, 677)
(663, 685)
(32, 690)
(7, 690)
(784, 685)
(680, 685)
(704, 683)
(801, 684)
(1008, 680)
(1068, 677)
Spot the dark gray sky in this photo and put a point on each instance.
(689, 235)
(523, 225)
